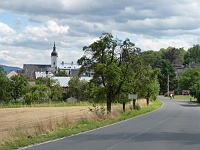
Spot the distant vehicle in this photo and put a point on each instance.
(170, 92)
(185, 92)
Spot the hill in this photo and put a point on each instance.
(8, 69)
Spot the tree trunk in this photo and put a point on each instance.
(147, 101)
(108, 106)
(124, 105)
(110, 99)
(148, 96)
(134, 100)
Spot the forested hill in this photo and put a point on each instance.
(8, 69)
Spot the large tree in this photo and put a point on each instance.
(110, 60)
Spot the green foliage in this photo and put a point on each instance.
(173, 55)
(2, 70)
(5, 95)
(192, 55)
(137, 107)
(19, 85)
(37, 93)
(190, 80)
(110, 59)
(149, 84)
(53, 85)
(166, 69)
(78, 89)
(62, 73)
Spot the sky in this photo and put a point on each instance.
(28, 28)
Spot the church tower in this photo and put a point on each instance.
(54, 56)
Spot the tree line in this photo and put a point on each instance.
(120, 68)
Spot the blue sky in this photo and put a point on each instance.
(29, 28)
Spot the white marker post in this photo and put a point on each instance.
(133, 97)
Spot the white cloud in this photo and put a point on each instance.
(5, 29)
(74, 24)
(147, 43)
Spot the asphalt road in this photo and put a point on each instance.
(175, 126)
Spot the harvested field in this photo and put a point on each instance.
(16, 120)
(19, 121)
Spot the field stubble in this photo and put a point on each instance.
(16, 122)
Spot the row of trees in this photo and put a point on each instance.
(17, 89)
(119, 68)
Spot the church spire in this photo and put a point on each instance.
(54, 47)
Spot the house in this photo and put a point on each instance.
(178, 69)
(12, 73)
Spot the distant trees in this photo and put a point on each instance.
(166, 69)
(192, 55)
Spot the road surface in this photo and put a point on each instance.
(175, 126)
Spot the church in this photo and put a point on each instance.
(41, 70)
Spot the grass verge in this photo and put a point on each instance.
(80, 126)
(184, 97)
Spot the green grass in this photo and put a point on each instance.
(184, 97)
(81, 126)
(52, 104)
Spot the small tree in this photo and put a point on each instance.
(77, 88)
(37, 93)
(149, 84)
(56, 89)
(5, 95)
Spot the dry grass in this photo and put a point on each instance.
(16, 122)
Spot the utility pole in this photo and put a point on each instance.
(168, 85)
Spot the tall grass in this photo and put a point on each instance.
(54, 129)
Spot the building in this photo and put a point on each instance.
(33, 70)
(11, 74)
(49, 70)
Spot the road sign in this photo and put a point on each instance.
(132, 96)
(186, 92)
